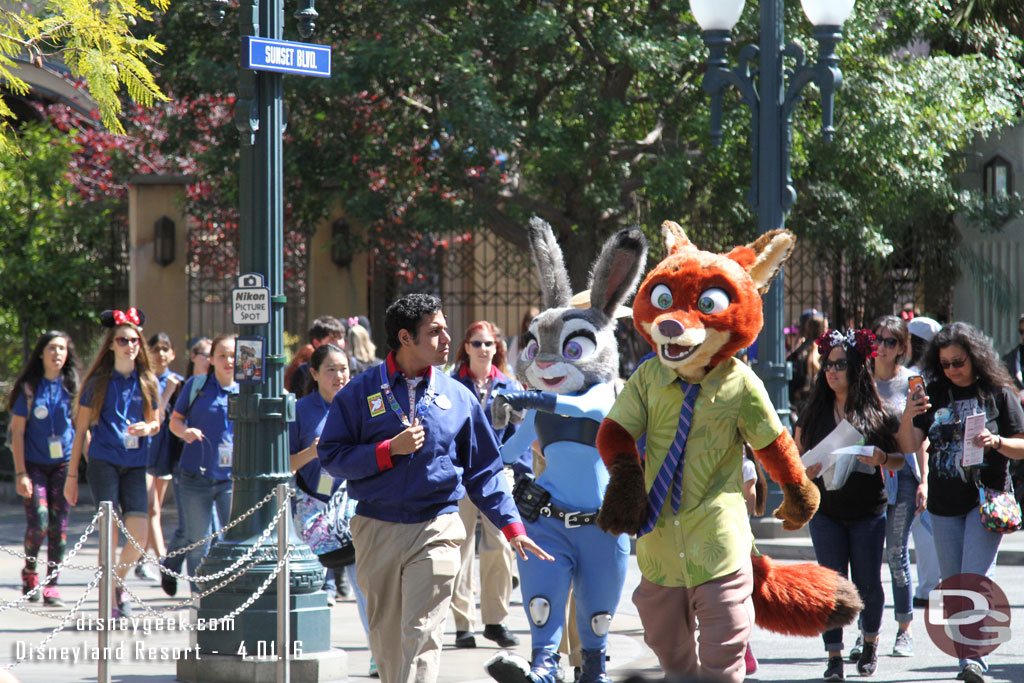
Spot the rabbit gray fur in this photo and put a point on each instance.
(578, 343)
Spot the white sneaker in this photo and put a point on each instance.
(146, 573)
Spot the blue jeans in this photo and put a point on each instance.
(898, 520)
(123, 486)
(199, 495)
(853, 548)
(177, 540)
(964, 546)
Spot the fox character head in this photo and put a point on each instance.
(697, 308)
(568, 349)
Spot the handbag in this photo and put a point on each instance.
(325, 527)
(999, 510)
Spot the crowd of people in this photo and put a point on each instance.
(142, 427)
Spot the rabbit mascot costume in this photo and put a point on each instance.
(570, 354)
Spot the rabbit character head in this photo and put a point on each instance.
(567, 349)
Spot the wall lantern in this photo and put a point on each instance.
(341, 243)
(163, 241)
(998, 177)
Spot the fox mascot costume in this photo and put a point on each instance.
(696, 404)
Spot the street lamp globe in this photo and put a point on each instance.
(827, 12)
(718, 15)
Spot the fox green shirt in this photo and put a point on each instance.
(710, 536)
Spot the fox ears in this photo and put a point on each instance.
(761, 258)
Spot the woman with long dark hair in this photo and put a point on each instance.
(118, 409)
(848, 531)
(42, 432)
(907, 488)
(969, 378)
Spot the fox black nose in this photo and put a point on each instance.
(670, 328)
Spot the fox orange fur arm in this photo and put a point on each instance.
(624, 507)
(800, 497)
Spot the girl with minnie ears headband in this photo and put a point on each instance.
(117, 409)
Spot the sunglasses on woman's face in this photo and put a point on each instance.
(889, 342)
(478, 344)
(125, 341)
(838, 365)
(947, 364)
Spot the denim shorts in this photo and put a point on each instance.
(124, 486)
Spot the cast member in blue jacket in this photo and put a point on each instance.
(411, 442)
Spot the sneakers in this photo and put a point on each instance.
(750, 660)
(30, 581)
(168, 583)
(464, 640)
(500, 634)
(904, 645)
(142, 571)
(331, 600)
(972, 673)
(51, 597)
(868, 661)
(856, 649)
(373, 669)
(122, 605)
(834, 672)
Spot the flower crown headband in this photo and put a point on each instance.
(862, 341)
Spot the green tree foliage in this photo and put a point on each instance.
(97, 43)
(446, 115)
(52, 243)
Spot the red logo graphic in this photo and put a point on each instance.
(968, 616)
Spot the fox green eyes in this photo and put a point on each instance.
(661, 297)
(713, 300)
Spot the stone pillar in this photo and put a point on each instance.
(338, 290)
(160, 291)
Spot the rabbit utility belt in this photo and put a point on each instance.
(534, 501)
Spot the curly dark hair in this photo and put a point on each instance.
(863, 407)
(988, 366)
(33, 371)
(406, 314)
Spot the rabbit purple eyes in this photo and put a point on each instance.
(531, 350)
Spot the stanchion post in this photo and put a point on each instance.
(284, 525)
(106, 588)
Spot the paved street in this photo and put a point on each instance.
(782, 658)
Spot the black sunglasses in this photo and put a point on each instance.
(478, 344)
(840, 365)
(947, 364)
(888, 342)
(125, 341)
(1021, 330)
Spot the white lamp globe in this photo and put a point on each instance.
(827, 12)
(717, 15)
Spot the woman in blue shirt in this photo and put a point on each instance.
(205, 463)
(42, 432)
(117, 409)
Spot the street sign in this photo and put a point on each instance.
(285, 56)
(250, 301)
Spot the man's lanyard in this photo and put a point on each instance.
(421, 408)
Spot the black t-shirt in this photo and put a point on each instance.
(951, 489)
(863, 494)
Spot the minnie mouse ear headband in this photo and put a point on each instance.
(114, 318)
(861, 341)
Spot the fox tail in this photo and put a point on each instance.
(802, 599)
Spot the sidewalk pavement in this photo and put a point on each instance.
(782, 658)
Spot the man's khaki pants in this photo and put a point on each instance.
(407, 572)
(495, 572)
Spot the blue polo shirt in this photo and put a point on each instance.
(122, 406)
(310, 416)
(500, 384)
(209, 414)
(459, 455)
(51, 416)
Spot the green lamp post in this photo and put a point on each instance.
(261, 411)
(771, 100)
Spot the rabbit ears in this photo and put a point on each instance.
(613, 278)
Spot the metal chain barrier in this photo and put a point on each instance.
(5, 605)
(67, 617)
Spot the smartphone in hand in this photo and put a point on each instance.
(916, 386)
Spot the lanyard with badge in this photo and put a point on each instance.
(131, 441)
(226, 448)
(326, 484)
(430, 396)
(55, 444)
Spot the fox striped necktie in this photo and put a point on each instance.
(671, 473)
